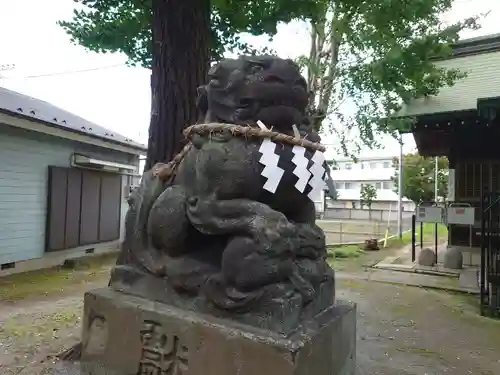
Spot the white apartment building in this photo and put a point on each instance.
(376, 170)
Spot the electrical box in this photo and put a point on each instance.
(461, 215)
(430, 214)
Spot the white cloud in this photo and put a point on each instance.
(117, 97)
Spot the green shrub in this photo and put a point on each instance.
(348, 251)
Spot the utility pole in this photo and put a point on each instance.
(436, 180)
(436, 201)
(400, 188)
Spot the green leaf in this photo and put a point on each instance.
(385, 50)
(125, 25)
(376, 54)
(419, 178)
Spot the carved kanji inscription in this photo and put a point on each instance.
(162, 353)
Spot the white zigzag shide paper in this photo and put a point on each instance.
(271, 171)
(318, 171)
(300, 170)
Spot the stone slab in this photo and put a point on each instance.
(123, 334)
(395, 266)
(470, 279)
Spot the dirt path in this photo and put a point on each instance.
(37, 327)
(401, 331)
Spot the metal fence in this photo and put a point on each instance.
(361, 214)
(490, 255)
(353, 231)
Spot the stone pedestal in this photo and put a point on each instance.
(426, 257)
(128, 335)
(453, 258)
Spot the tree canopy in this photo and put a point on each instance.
(419, 178)
(367, 58)
(125, 25)
(176, 39)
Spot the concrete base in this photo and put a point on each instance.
(57, 258)
(128, 335)
(471, 255)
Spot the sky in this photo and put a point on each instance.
(100, 88)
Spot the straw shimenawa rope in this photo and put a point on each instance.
(166, 171)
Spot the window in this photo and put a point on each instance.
(348, 185)
(339, 185)
(387, 164)
(373, 165)
(348, 166)
(362, 165)
(387, 185)
(378, 185)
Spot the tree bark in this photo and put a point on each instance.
(181, 32)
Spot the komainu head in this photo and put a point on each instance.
(251, 88)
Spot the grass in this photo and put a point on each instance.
(352, 284)
(338, 255)
(428, 236)
(353, 257)
(54, 280)
(348, 251)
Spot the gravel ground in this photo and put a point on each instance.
(401, 331)
(407, 330)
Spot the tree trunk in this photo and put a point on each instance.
(181, 31)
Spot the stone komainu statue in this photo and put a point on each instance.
(225, 228)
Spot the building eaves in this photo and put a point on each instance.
(474, 46)
(364, 158)
(20, 105)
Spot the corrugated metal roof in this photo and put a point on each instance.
(364, 158)
(17, 104)
(478, 39)
(473, 46)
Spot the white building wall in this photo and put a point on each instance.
(378, 171)
(25, 158)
